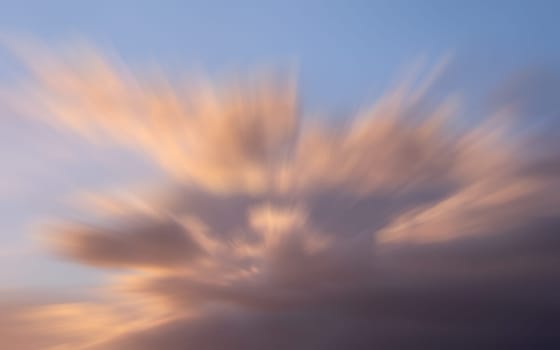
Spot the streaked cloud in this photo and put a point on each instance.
(280, 231)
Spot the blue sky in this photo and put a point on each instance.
(346, 53)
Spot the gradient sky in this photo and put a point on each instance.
(345, 52)
(158, 191)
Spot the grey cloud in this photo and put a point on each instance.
(484, 293)
(144, 243)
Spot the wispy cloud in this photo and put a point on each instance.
(281, 231)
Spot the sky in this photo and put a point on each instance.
(371, 39)
(106, 187)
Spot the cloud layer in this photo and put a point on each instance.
(395, 229)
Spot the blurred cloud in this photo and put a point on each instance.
(279, 231)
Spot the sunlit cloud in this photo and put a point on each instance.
(282, 231)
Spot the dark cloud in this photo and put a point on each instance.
(148, 243)
(483, 293)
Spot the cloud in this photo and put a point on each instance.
(145, 243)
(396, 229)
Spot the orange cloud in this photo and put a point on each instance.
(285, 232)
